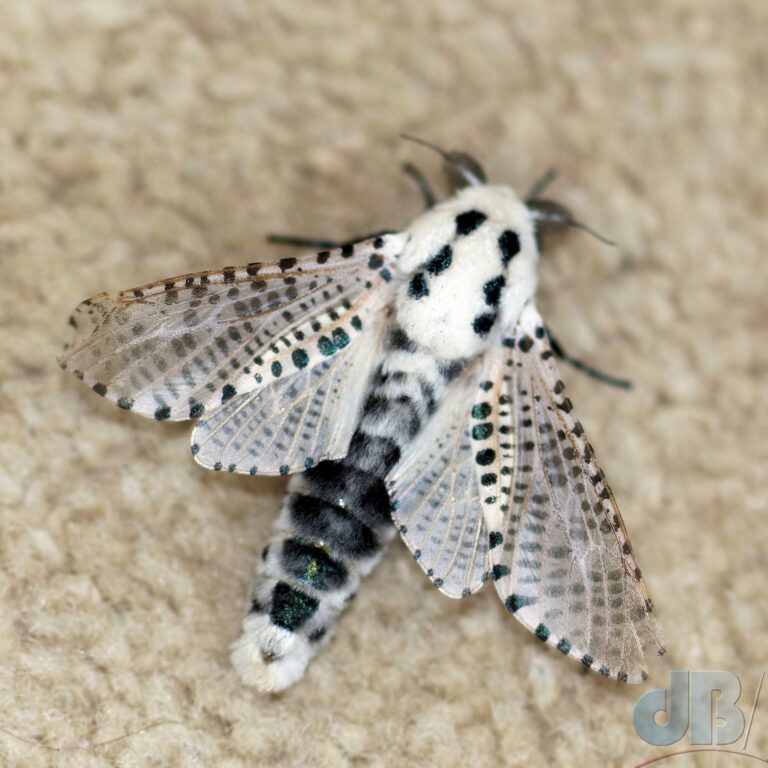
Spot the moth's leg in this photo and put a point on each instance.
(323, 245)
(429, 196)
(588, 369)
(303, 242)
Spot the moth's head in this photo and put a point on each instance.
(462, 170)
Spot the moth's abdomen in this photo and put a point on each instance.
(334, 523)
(331, 530)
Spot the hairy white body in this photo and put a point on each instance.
(442, 321)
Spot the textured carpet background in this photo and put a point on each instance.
(139, 140)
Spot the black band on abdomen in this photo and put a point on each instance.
(339, 529)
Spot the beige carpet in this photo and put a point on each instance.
(139, 140)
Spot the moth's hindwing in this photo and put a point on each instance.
(186, 346)
(559, 552)
(436, 498)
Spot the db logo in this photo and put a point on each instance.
(690, 702)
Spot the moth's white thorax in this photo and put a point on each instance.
(443, 318)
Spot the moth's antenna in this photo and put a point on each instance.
(552, 217)
(588, 230)
(458, 160)
(421, 182)
(544, 181)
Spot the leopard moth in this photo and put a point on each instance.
(407, 378)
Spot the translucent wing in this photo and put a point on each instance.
(179, 347)
(561, 559)
(300, 419)
(437, 499)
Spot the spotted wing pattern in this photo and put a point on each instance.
(560, 555)
(299, 419)
(180, 347)
(436, 497)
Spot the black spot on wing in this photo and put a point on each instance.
(525, 344)
(326, 346)
(485, 457)
(564, 646)
(515, 602)
(340, 338)
(499, 572)
(482, 431)
(227, 393)
(163, 413)
(300, 358)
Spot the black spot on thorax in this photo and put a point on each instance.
(440, 261)
(418, 286)
(492, 290)
(469, 221)
(509, 245)
(483, 323)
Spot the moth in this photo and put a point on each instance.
(407, 378)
